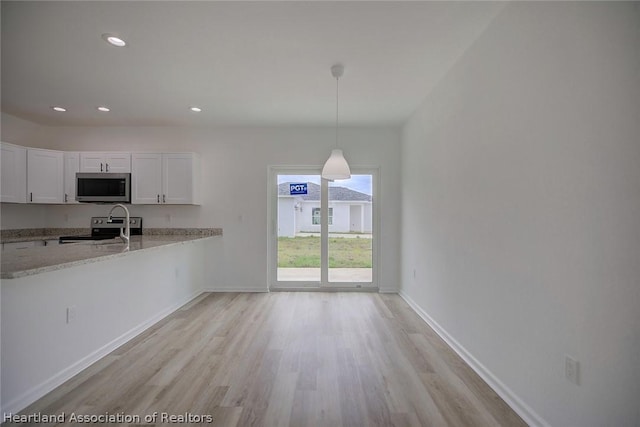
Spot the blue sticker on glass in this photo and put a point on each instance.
(300, 188)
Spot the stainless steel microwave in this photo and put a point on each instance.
(103, 187)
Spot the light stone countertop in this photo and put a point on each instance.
(38, 260)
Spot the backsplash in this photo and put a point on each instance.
(16, 216)
(182, 231)
(26, 234)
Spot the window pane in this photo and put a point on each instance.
(350, 229)
(298, 230)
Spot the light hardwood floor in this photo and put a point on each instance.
(287, 358)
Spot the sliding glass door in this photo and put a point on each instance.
(298, 237)
(322, 233)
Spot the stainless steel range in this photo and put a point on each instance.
(102, 230)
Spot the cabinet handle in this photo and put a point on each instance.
(158, 198)
(100, 167)
(164, 200)
(66, 198)
(107, 167)
(31, 197)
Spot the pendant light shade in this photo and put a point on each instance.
(336, 166)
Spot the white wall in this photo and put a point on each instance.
(22, 132)
(341, 217)
(234, 172)
(287, 215)
(521, 208)
(367, 218)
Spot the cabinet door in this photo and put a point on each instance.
(92, 162)
(177, 178)
(45, 176)
(71, 166)
(105, 162)
(117, 162)
(13, 174)
(146, 178)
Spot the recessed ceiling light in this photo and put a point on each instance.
(195, 109)
(104, 109)
(114, 40)
(59, 109)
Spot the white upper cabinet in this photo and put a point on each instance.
(91, 161)
(181, 178)
(71, 166)
(146, 178)
(165, 178)
(118, 162)
(31, 175)
(45, 176)
(13, 173)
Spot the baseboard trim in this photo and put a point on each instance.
(319, 289)
(522, 409)
(38, 391)
(232, 289)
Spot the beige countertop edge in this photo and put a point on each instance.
(48, 268)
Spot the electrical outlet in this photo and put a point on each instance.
(571, 369)
(71, 314)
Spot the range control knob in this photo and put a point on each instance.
(133, 221)
(95, 221)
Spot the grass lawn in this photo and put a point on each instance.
(304, 252)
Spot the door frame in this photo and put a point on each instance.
(272, 231)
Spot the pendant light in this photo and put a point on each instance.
(336, 166)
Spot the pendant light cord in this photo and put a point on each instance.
(337, 78)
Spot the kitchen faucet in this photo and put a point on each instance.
(125, 232)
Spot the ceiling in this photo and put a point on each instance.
(244, 63)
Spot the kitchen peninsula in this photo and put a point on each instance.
(65, 307)
(40, 259)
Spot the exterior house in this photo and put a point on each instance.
(350, 211)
